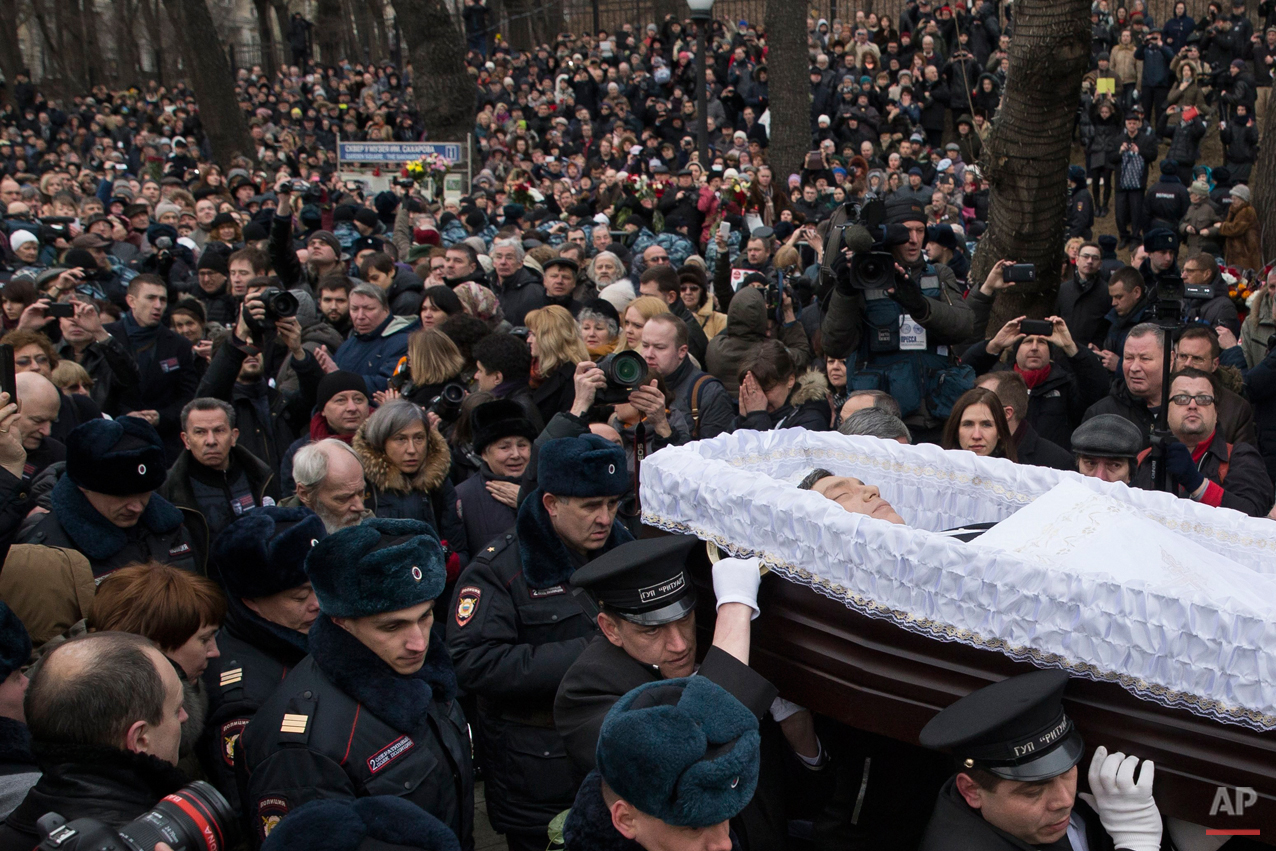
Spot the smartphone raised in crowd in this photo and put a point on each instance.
(1036, 327)
(8, 381)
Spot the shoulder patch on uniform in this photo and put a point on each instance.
(467, 601)
(232, 676)
(229, 736)
(389, 753)
(294, 723)
(270, 811)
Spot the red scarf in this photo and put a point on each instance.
(319, 429)
(1201, 448)
(1033, 377)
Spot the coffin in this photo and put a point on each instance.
(880, 626)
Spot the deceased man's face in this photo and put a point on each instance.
(856, 497)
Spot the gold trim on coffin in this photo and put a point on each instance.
(1206, 707)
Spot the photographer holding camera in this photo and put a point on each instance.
(105, 714)
(268, 419)
(897, 337)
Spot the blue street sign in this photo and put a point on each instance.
(395, 152)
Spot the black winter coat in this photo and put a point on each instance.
(556, 392)
(73, 523)
(1119, 401)
(256, 655)
(178, 490)
(604, 673)
(954, 826)
(1105, 140)
(368, 731)
(1032, 448)
(88, 781)
(1057, 405)
(1166, 202)
(266, 437)
(1260, 386)
(520, 294)
(484, 516)
(515, 632)
(110, 365)
(1246, 488)
(1084, 306)
(167, 382)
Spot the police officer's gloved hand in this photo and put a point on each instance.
(1126, 808)
(1181, 467)
(908, 295)
(736, 580)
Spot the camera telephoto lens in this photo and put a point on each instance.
(194, 818)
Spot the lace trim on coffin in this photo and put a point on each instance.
(1204, 707)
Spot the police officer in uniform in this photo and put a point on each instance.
(645, 605)
(1016, 782)
(898, 338)
(372, 709)
(260, 560)
(516, 630)
(647, 793)
(105, 505)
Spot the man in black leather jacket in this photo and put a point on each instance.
(105, 713)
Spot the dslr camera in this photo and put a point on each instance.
(447, 405)
(194, 818)
(279, 304)
(1170, 292)
(625, 372)
(872, 267)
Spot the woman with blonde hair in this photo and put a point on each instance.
(557, 347)
(635, 317)
(433, 362)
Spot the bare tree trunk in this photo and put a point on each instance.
(11, 61)
(521, 32)
(1026, 157)
(358, 9)
(281, 19)
(1263, 184)
(212, 79)
(445, 93)
(352, 49)
(789, 90)
(92, 51)
(266, 37)
(377, 36)
(329, 30)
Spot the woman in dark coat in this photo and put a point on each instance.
(503, 440)
(405, 463)
(1102, 150)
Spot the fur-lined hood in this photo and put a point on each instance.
(384, 476)
(811, 386)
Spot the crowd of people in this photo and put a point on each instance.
(329, 497)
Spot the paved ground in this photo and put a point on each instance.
(485, 839)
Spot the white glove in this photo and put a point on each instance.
(782, 709)
(736, 580)
(1126, 808)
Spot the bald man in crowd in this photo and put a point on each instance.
(41, 401)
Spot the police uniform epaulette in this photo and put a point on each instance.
(494, 547)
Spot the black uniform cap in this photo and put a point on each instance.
(645, 581)
(1015, 729)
